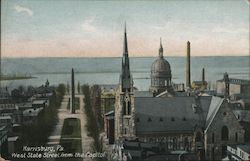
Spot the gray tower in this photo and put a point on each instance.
(188, 72)
(72, 91)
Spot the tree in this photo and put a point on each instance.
(78, 87)
(68, 87)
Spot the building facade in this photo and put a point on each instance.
(202, 125)
(124, 105)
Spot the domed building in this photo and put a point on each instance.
(160, 74)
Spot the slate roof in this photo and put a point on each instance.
(215, 104)
(143, 94)
(170, 114)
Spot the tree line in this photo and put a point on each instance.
(37, 133)
(92, 125)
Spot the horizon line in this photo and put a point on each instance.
(121, 56)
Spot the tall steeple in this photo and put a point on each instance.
(126, 80)
(125, 43)
(161, 50)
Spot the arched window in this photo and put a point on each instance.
(129, 108)
(236, 137)
(124, 108)
(198, 137)
(224, 133)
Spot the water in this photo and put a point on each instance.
(106, 70)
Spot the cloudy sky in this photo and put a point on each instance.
(64, 28)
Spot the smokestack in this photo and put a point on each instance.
(188, 76)
(203, 75)
(227, 81)
(72, 91)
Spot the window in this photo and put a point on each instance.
(137, 120)
(161, 119)
(172, 119)
(224, 133)
(236, 137)
(124, 108)
(149, 119)
(129, 108)
(184, 119)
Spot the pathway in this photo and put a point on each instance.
(64, 113)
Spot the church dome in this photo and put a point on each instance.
(161, 66)
(160, 73)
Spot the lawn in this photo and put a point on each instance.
(71, 135)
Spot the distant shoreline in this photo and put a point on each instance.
(5, 78)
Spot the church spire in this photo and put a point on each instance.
(161, 50)
(126, 82)
(125, 45)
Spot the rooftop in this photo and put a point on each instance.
(39, 101)
(143, 94)
(170, 114)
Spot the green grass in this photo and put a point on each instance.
(71, 128)
(71, 135)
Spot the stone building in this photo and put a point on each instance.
(124, 105)
(203, 125)
(200, 85)
(222, 129)
(107, 98)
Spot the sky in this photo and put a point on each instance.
(78, 28)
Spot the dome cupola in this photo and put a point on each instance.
(160, 73)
